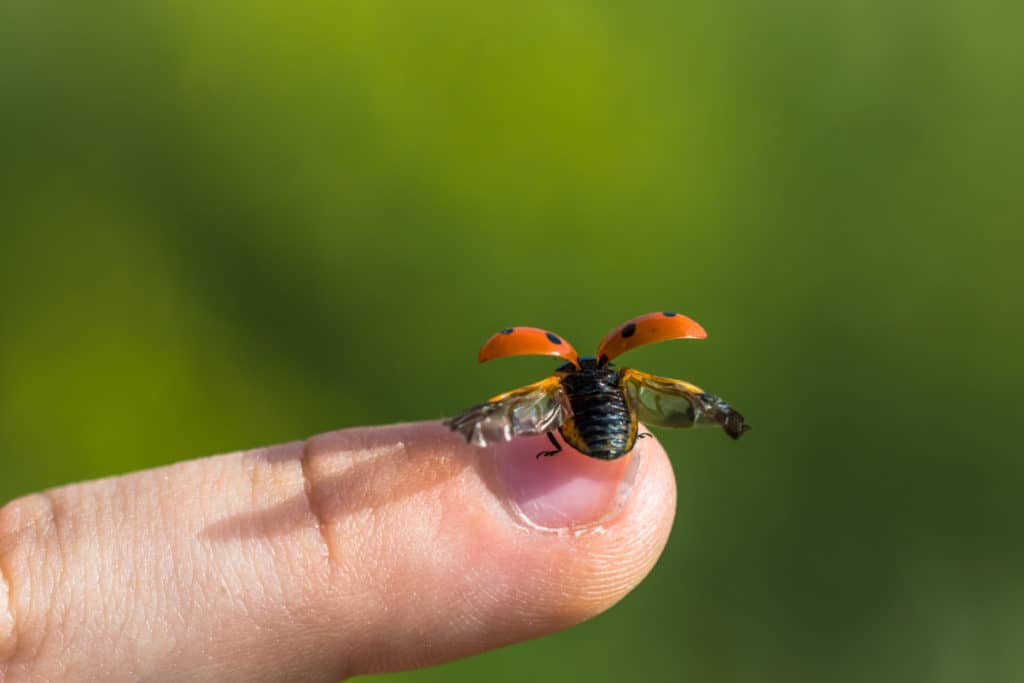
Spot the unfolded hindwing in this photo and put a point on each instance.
(528, 411)
(666, 402)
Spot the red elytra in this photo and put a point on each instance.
(527, 341)
(647, 329)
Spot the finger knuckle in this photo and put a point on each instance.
(30, 560)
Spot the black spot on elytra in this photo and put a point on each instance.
(507, 330)
(628, 330)
(669, 314)
(553, 338)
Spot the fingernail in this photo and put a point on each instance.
(566, 490)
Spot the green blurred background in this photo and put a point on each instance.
(224, 225)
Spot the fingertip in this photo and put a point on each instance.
(597, 564)
(494, 546)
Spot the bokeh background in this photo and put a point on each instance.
(224, 225)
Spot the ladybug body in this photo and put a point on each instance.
(594, 405)
(602, 425)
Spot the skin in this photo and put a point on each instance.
(365, 550)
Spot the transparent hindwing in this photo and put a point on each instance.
(665, 402)
(528, 411)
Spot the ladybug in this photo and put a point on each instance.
(594, 405)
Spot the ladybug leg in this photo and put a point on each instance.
(643, 435)
(558, 447)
